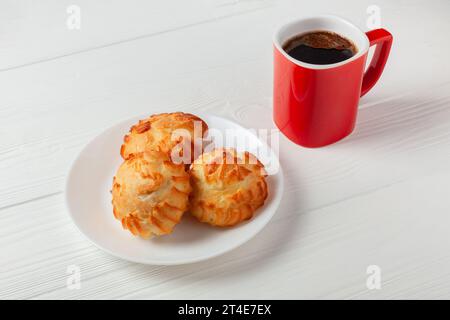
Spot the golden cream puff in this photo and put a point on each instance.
(150, 193)
(228, 187)
(174, 133)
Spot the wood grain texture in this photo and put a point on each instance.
(378, 197)
(33, 33)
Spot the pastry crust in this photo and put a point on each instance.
(227, 187)
(150, 193)
(174, 133)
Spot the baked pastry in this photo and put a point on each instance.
(150, 193)
(166, 132)
(227, 187)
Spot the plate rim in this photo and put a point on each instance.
(244, 238)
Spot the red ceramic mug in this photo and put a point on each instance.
(316, 105)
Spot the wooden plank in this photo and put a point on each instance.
(32, 33)
(325, 252)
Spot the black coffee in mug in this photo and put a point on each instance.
(320, 47)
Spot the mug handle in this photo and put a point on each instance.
(382, 39)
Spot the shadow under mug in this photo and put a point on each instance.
(316, 105)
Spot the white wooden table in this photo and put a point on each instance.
(380, 197)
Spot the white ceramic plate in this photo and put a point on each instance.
(88, 200)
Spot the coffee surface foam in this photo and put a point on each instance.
(320, 40)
